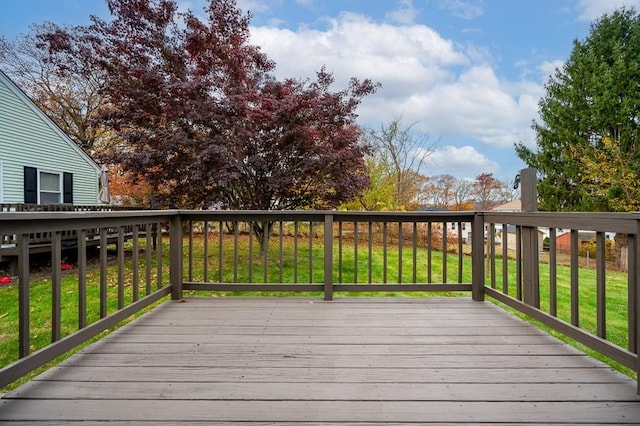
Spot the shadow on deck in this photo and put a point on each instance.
(307, 361)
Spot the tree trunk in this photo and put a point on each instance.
(262, 231)
(621, 249)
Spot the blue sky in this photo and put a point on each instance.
(468, 73)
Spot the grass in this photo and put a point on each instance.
(283, 266)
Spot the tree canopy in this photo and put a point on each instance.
(70, 99)
(404, 152)
(200, 117)
(587, 151)
(394, 167)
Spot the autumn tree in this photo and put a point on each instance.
(71, 100)
(488, 191)
(126, 190)
(589, 120)
(442, 190)
(202, 119)
(611, 176)
(380, 194)
(462, 191)
(510, 190)
(404, 151)
(299, 147)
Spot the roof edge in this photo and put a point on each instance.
(48, 120)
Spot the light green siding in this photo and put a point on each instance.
(29, 138)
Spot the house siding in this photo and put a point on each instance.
(512, 242)
(28, 138)
(563, 241)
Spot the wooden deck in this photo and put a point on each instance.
(350, 361)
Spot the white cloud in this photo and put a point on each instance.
(400, 57)
(447, 89)
(476, 105)
(593, 9)
(548, 68)
(459, 161)
(405, 14)
(465, 9)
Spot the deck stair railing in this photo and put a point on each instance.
(325, 252)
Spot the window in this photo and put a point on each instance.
(45, 187)
(50, 188)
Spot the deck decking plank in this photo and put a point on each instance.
(372, 322)
(329, 349)
(331, 338)
(334, 375)
(331, 411)
(277, 361)
(352, 391)
(215, 329)
(336, 360)
(259, 423)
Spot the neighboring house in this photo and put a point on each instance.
(514, 207)
(39, 163)
(512, 241)
(463, 230)
(453, 230)
(563, 241)
(511, 206)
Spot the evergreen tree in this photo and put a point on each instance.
(592, 101)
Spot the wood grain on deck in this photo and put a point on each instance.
(277, 361)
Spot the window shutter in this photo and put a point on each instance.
(30, 185)
(67, 190)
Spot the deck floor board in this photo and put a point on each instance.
(351, 361)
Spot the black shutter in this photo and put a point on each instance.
(67, 190)
(30, 185)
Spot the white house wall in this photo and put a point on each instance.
(28, 138)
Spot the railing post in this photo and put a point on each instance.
(477, 257)
(175, 254)
(530, 255)
(23, 296)
(328, 257)
(633, 270)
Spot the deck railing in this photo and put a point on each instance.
(44, 238)
(83, 310)
(561, 289)
(327, 252)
